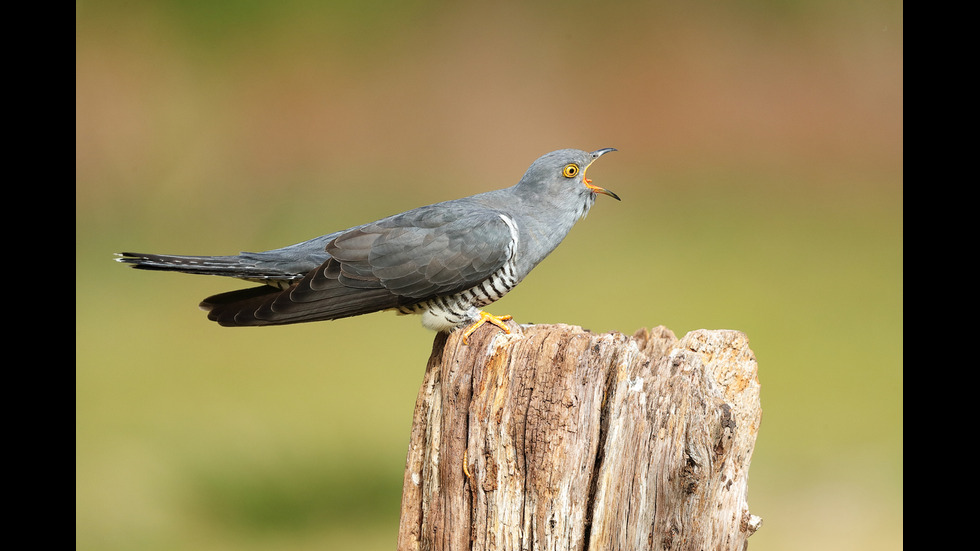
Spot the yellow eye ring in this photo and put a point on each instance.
(570, 170)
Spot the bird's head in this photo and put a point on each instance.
(559, 178)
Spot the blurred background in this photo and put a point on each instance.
(760, 164)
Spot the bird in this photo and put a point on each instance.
(444, 261)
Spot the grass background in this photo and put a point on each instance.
(761, 168)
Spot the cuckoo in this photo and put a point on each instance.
(444, 261)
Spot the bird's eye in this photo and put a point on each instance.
(570, 170)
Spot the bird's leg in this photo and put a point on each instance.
(484, 318)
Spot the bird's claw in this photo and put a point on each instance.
(486, 317)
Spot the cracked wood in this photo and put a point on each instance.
(554, 437)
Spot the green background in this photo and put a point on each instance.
(760, 164)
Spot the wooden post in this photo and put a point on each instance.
(554, 437)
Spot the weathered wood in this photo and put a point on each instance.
(554, 437)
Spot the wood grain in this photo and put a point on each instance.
(554, 437)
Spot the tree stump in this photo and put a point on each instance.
(554, 437)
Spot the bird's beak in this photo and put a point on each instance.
(588, 183)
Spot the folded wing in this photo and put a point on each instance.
(397, 261)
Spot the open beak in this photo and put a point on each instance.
(588, 183)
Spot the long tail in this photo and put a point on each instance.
(229, 266)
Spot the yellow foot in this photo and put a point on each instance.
(484, 318)
(466, 470)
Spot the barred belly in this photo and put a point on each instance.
(449, 312)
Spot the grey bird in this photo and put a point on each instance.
(443, 261)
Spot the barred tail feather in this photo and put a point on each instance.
(317, 297)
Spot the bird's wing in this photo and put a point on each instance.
(401, 260)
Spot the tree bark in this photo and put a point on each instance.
(554, 437)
